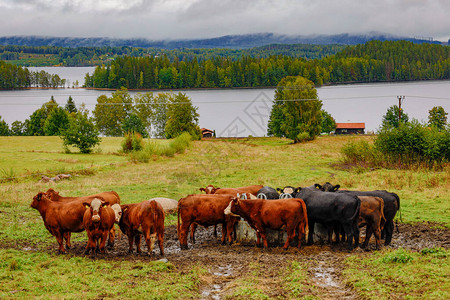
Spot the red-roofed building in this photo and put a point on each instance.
(207, 133)
(350, 128)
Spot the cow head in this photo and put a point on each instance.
(52, 194)
(36, 199)
(289, 190)
(327, 187)
(210, 189)
(233, 205)
(96, 209)
(117, 212)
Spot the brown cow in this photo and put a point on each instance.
(370, 215)
(98, 220)
(252, 189)
(204, 210)
(111, 197)
(231, 221)
(280, 214)
(59, 218)
(145, 218)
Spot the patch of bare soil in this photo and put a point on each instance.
(227, 264)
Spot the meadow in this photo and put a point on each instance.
(31, 267)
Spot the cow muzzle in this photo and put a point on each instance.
(95, 218)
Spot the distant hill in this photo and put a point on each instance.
(228, 41)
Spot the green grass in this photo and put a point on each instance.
(384, 274)
(274, 162)
(41, 275)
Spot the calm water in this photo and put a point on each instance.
(243, 112)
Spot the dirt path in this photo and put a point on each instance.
(230, 267)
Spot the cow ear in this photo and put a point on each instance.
(86, 204)
(297, 190)
(336, 187)
(279, 189)
(105, 204)
(202, 189)
(317, 186)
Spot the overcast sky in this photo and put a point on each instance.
(173, 19)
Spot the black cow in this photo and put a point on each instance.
(288, 190)
(391, 206)
(268, 193)
(331, 208)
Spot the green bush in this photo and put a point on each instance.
(132, 142)
(413, 143)
(361, 152)
(181, 142)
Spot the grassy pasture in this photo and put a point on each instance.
(225, 163)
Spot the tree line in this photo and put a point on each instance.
(16, 77)
(165, 115)
(91, 56)
(372, 62)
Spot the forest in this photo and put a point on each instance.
(374, 61)
(265, 66)
(93, 56)
(16, 77)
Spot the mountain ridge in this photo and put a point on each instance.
(227, 41)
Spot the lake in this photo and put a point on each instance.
(243, 112)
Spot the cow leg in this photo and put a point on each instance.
(355, 230)
(90, 244)
(137, 241)
(215, 230)
(263, 236)
(184, 231)
(369, 231)
(130, 242)
(349, 233)
(193, 228)
(224, 232)
(112, 235)
(389, 227)
(67, 238)
(59, 238)
(103, 239)
(161, 240)
(300, 233)
(258, 239)
(230, 232)
(290, 236)
(377, 233)
(311, 232)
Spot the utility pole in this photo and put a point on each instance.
(400, 99)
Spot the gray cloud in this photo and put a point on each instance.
(165, 19)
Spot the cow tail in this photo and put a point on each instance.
(383, 219)
(357, 209)
(400, 211)
(154, 207)
(305, 216)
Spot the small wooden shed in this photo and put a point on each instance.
(207, 133)
(350, 128)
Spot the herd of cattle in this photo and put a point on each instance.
(294, 210)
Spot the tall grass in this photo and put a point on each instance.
(156, 148)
